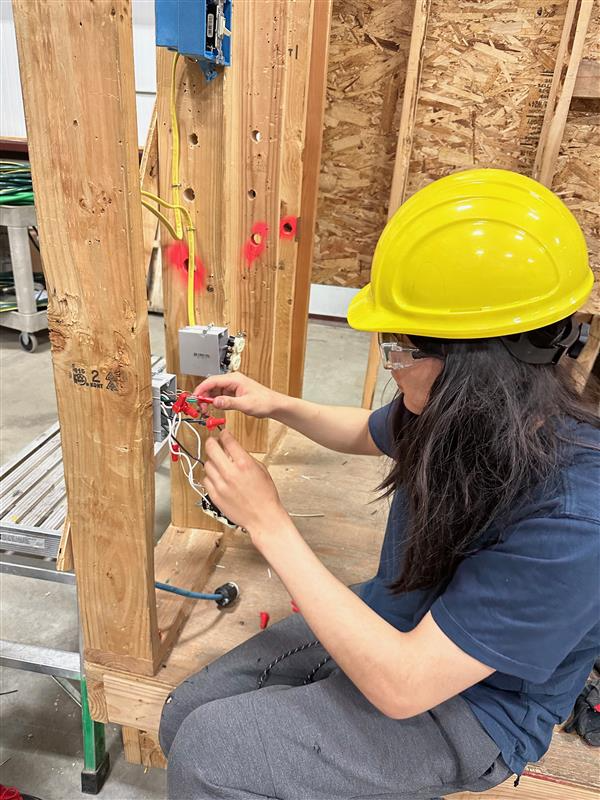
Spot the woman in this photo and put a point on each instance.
(448, 670)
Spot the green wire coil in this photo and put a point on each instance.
(16, 188)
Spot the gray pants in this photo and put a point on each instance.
(226, 739)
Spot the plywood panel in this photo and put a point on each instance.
(486, 77)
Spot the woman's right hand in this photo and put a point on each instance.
(236, 392)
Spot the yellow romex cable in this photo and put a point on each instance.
(176, 230)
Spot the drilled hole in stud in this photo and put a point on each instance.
(251, 194)
(189, 194)
(256, 136)
(186, 263)
(256, 238)
(193, 138)
(287, 227)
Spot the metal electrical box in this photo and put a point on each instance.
(199, 29)
(209, 350)
(161, 381)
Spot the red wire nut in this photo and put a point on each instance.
(181, 406)
(264, 620)
(175, 453)
(10, 793)
(215, 422)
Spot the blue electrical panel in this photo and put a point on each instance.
(199, 29)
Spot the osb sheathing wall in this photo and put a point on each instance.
(486, 75)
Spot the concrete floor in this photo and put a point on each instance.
(40, 730)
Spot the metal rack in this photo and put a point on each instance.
(26, 319)
(33, 509)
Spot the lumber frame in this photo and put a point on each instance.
(410, 100)
(83, 151)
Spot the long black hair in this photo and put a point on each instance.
(491, 431)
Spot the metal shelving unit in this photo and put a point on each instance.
(26, 319)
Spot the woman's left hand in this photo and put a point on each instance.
(239, 485)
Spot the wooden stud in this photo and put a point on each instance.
(291, 225)
(233, 146)
(200, 114)
(141, 747)
(184, 557)
(311, 164)
(84, 159)
(410, 100)
(149, 182)
(561, 91)
(254, 95)
(64, 558)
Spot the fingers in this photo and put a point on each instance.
(216, 456)
(232, 447)
(217, 385)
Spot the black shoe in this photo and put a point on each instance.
(586, 714)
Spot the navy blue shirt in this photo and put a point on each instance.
(527, 606)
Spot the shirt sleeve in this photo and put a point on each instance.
(523, 605)
(381, 428)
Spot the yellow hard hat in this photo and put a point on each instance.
(480, 253)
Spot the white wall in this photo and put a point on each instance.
(324, 300)
(12, 119)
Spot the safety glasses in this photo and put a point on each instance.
(398, 352)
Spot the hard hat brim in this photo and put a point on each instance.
(364, 315)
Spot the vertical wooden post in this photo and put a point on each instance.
(233, 166)
(76, 63)
(200, 109)
(291, 228)
(311, 168)
(254, 130)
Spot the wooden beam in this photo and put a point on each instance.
(410, 99)
(232, 137)
(64, 558)
(141, 747)
(254, 133)
(149, 182)
(311, 168)
(561, 90)
(184, 557)
(199, 107)
(291, 228)
(84, 158)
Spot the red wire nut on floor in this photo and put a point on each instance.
(264, 620)
(10, 793)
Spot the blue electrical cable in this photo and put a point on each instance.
(166, 587)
